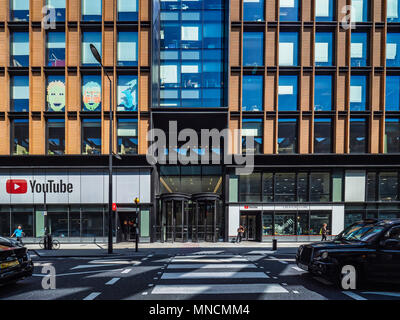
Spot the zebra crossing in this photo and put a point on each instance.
(215, 274)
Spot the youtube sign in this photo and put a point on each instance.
(17, 186)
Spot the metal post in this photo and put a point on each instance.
(137, 228)
(47, 245)
(110, 172)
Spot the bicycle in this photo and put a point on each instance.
(55, 244)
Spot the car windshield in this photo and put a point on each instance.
(360, 232)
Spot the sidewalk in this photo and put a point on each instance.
(69, 250)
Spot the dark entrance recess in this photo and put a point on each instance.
(186, 218)
(127, 226)
(251, 221)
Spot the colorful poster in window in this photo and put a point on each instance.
(55, 95)
(127, 93)
(91, 93)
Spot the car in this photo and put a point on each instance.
(370, 247)
(15, 261)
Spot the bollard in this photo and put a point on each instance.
(274, 245)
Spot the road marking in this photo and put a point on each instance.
(219, 289)
(322, 280)
(260, 252)
(144, 259)
(219, 260)
(298, 269)
(295, 292)
(112, 281)
(155, 278)
(212, 266)
(87, 266)
(392, 294)
(222, 256)
(92, 296)
(276, 259)
(275, 277)
(353, 295)
(208, 252)
(78, 273)
(145, 293)
(151, 285)
(215, 275)
(126, 271)
(284, 284)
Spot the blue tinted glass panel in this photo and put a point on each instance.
(56, 49)
(20, 49)
(287, 135)
(322, 135)
(325, 10)
(59, 8)
(253, 48)
(392, 135)
(19, 10)
(55, 93)
(393, 49)
(127, 136)
(358, 93)
(87, 55)
(324, 49)
(127, 10)
(358, 135)
(393, 11)
(360, 10)
(91, 10)
(127, 48)
(323, 93)
(252, 128)
(253, 10)
(287, 91)
(253, 93)
(91, 136)
(288, 48)
(127, 93)
(20, 94)
(91, 93)
(359, 49)
(392, 93)
(289, 10)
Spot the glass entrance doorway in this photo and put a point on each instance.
(252, 226)
(128, 226)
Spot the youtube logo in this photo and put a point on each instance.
(17, 186)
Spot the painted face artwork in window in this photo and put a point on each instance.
(127, 98)
(91, 95)
(56, 96)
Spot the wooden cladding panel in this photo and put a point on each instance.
(73, 136)
(37, 136)
(235, 10)
(38, 94)
(105, 135)
(74, 10)
(306, 45)
(144, 47)
(269, 93)
(340, 135)
(234, 92)
(73, 47)
(108, 46)
(73, 92)
(306, 91)
(144, 92)
(235, 48)
(304, 135)
(378, 45)
(269, 135)
(270, 48)
(376, 86)
(378, 10)
(271, 10)
(374, 141)
(145, 8)
(5, 136)
(106, 92)
(4, 10)
(5, 45)
(341, 91)
(37, 45)
(36, 7)
(341, 48)
(144, 126)
(4, 92)
(109, 6)
(234, 126)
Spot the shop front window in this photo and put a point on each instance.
(250, 188)
(285, 187)
(268, 187)
(371, 186)
(5, 222)
(388, 186)
(302, 224)
(75, 222)
(92, 222)
(317, 220)
(320, 187)
(21, 216)
(352, 217)
(302, 187)
(285, 224)
(58, 221)
(268, 224)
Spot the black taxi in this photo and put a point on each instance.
(371, 247)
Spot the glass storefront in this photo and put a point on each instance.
(355, 213)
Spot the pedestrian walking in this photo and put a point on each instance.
(324, 232)
(240, 232)
(18, 233)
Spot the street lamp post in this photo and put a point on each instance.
(110, 155)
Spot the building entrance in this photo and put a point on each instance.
(128, 226)
(252, 226)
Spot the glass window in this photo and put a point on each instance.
(91, 136)
(322, 135)
(253, 49)
(20, 137)
(288, 97)
(371, 186)
(289, 10)
(19, 49)
(320, 186)
(285, 187)
(302, 187)
(268, 187)
(127, 136)
(352, 217)
(22, 216)
(358, 135)
(392, 93)
(323, 94)
(388, 186)
(393, 10)
(5, 222)
(252, 128)
(302, 224)
(253, 10)
(74, 222)
(358, 93)
(91, 93)
(55, 136)
(58, 221)
(288, 48)
(59, 6)
(317, 219)
(250, 188)
(92, 222)
(359, 11)
(20, 93)
(127, 10)
(324, 49)
(359, 49)
(267, 224)
(392, 135)
(287, 136)
(127, 93)
(285, 224)
(55, 93)
(392, 47)
(19, 10)
(87, 39)
(55, 49)
(324, 10)
(91, 10)
(384, 215)
(127, 48)
(253, 87)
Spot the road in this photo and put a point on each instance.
(233, 273)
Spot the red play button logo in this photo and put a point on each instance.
(17, 186)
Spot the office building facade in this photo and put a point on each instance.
(314, 84)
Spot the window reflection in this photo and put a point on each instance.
(91, 136)
(56, 136)
(392, 135)
(322, 135)
(20, 134)
(55, 49)
(287, 136)
(358, 135)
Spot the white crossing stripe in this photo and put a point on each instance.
(276, 259)
(298, 269)
(215, 275)
(391, 294)
(221, 256)
(87, 266)
(212, 266)
(92, 296)
(210, 260)
(353, 295)
(112, 281)
(126, 271)
(208, 252)
(261, 252)
(257, 288)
